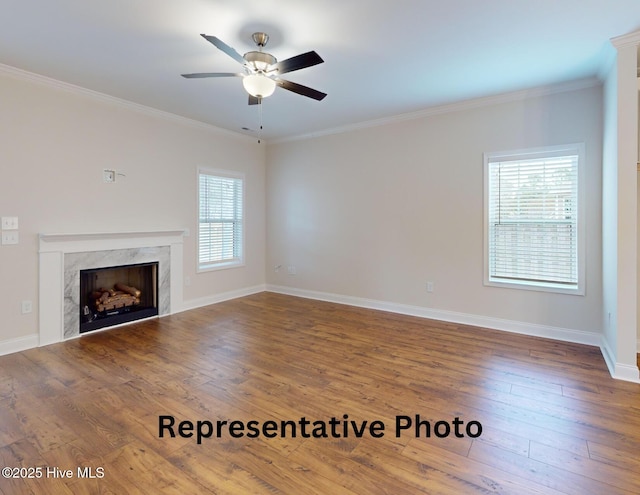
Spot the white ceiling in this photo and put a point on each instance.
(382, 58)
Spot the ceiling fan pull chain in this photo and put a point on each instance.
(260, 118)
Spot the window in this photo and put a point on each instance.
(220, 225)
(534, 227)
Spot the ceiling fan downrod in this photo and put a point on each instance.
(261, 61)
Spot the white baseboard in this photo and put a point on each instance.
(620, 371)
(224, 296)
(626, 372)
(607, 354)
(19, 344)
(532, 329)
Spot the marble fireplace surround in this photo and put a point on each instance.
(62, 256)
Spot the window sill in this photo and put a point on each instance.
(537, 286)
(219, 266)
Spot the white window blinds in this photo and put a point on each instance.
(533, 223)
(220, 227)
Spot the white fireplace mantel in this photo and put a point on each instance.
(98, 241)
(54, 247)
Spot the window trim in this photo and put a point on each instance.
(532, 153)
(220, 265)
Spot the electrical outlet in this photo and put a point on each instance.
(291, 270)
(429, 286)
(9, 223)
(27, 307)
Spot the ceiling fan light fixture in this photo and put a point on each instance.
(259, 85)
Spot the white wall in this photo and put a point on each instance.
(376, 213)
(54, 143)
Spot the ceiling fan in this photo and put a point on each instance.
(262, 70)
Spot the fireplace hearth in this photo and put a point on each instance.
(117, 294)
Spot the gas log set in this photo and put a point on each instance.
(121, 296)
(115, 295)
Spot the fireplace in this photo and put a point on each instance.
(117, 294)
(63, 256)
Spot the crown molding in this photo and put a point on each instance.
(49, 82)
(626, 39)
(608, 62)
(427, 112)
(452, 107)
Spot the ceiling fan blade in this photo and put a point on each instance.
(254, 100)
(300, 89)
(211, 74)
(221, 45)
(298, 62)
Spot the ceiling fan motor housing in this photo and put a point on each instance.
(260, 61)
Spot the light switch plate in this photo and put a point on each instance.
(109, 175)
(10, 237)
(9, 223)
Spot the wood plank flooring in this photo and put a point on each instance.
(553, 420)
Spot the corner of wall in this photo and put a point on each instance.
(619, 371)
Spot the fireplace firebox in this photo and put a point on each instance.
(117, 294)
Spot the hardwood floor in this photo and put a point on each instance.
(552, 419)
